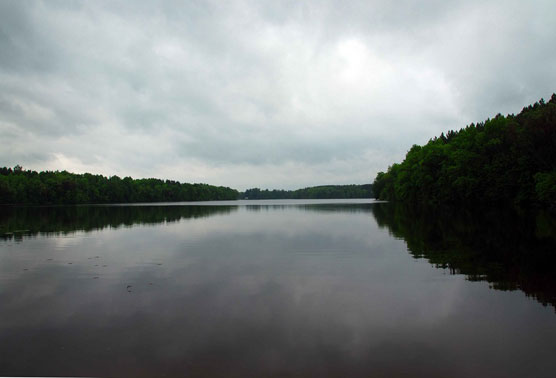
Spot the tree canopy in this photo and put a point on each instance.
(314, 192)
(19, 186)
(506, 160)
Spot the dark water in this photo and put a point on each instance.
(276, 289)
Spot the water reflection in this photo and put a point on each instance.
(308, 290)
(16, 222)
(317, 207)
(509, 250)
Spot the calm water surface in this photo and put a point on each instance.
(275, 288)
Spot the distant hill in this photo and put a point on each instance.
(314, 192)
(18, 186)
(505, 160)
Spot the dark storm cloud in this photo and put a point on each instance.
(245, 93)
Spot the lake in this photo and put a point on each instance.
(276, 288)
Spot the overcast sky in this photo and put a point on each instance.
(272, 94)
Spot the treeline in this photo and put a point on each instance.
(18, 186)
(505, 160)
(315, 192)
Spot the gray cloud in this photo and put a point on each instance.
(251, 93)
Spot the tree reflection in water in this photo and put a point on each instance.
(510, 250)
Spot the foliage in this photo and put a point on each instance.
(505, 160)
(18, 186)
(318, 192)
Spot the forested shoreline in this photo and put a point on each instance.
(19, 186)
(28, 187)
(505, 160)
(313, 192)
(508, 160)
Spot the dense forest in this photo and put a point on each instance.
(18, 186)
(315, 192)
(505, 160)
